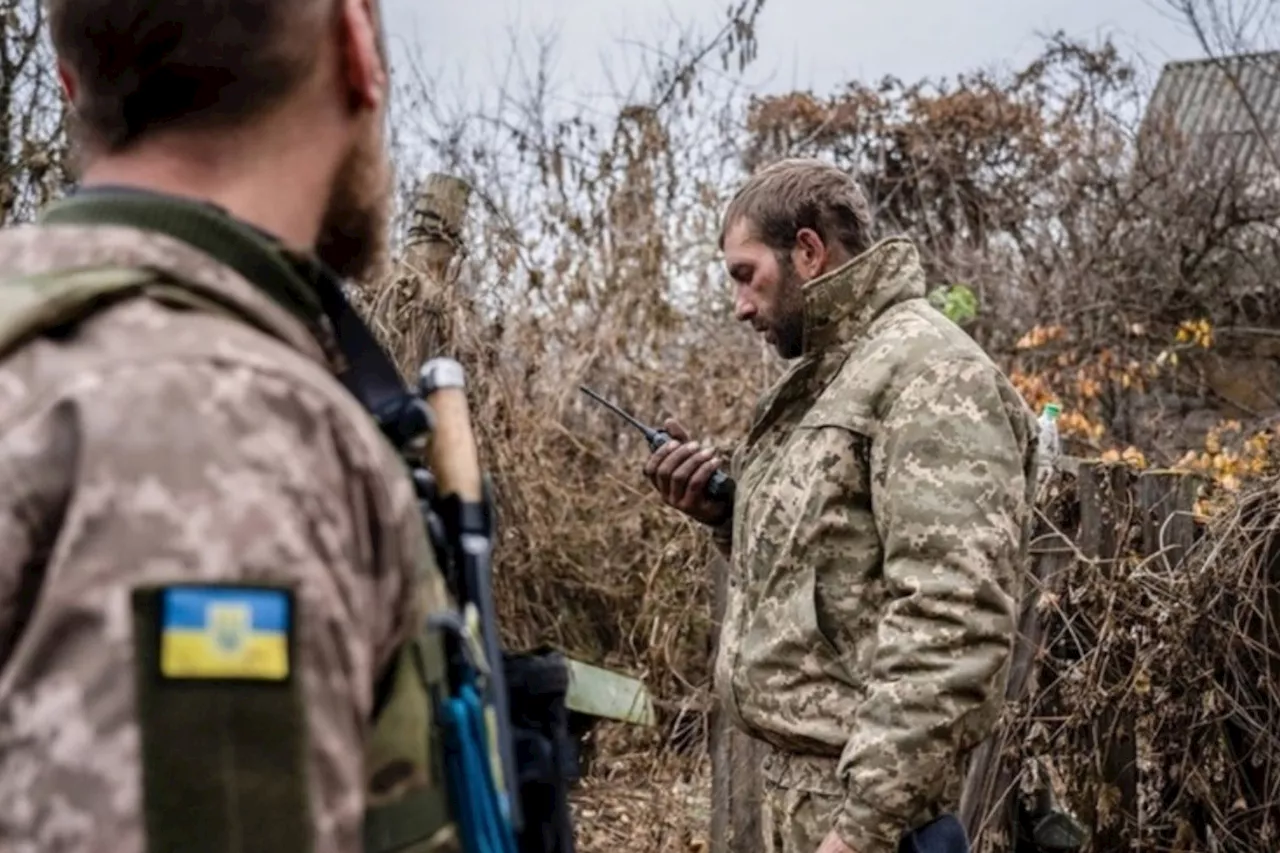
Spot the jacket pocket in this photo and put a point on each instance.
(812, 773)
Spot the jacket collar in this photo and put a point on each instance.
(251, 269)
(842, 303)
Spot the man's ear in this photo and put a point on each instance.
(68, 80)
(809, 255)
(362, 60)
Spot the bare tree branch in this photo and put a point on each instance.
(1227, 30)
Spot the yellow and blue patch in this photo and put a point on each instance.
(225, 632)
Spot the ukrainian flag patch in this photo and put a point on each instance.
(225, 632)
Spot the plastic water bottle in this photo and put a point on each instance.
(1050, 444)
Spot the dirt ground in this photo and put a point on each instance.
(644, 799)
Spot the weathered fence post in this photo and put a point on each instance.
(736, 778)
(1167, 499)
(989, 803)
(435, 232)
(1106, 515)
(418, 311)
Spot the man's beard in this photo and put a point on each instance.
(788, 329)
(353, 238)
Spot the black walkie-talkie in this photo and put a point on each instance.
(720, 486)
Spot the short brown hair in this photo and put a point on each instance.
(142, 65)
(796, 193)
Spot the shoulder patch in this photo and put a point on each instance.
(222, 721)
(225, 632)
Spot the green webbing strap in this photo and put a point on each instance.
(223, 726)
(409, 803)
(34, 304)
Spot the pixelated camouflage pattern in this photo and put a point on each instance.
(796, 819)
(155, 446)
(882, 514)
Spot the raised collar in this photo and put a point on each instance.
(292, 296)
(844, 301)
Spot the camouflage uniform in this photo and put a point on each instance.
(155, 445)
(881, 517)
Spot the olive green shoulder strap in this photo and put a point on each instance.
(408, 808)
(33, 305)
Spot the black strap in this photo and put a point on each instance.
(369, 373)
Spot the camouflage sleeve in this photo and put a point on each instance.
(948, 490)
(178, 472)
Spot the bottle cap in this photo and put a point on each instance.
(1052, 410)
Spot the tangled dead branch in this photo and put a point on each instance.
(591, 259)
(1156, 693)
(1232, 610)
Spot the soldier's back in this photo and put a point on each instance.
(205, 558)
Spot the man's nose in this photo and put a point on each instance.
(743, 308)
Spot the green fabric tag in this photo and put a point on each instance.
(223, 727)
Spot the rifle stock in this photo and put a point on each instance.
(454, 458)
(452, 451)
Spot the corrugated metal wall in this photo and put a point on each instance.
(1201, 100)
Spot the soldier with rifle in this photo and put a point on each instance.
(244, 593)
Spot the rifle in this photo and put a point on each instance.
(505, 722)
(464, 507)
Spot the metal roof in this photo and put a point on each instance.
(1200, 100)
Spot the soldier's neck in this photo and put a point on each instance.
(281, 192)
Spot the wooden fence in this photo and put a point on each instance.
(1101, 512)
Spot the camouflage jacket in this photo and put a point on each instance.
(882, 514)
(154, 445)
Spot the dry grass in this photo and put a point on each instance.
(1231, 604)
(595, 264)
(590, 258)
(1155, 697)
(633, 801)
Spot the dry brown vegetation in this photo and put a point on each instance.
(32, 143)
(1113, 267)
(1123, 272)
(1152, 701)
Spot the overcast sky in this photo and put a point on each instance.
(803, 43)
